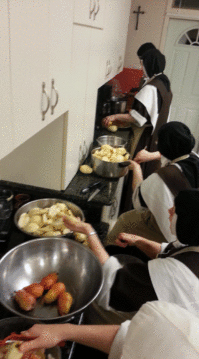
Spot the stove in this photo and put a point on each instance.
(11, 236)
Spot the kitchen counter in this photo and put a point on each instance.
(106, 196)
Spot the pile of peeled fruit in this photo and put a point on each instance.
(52, 291)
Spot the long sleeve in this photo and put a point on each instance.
(110, 269)
(118, 343)
(145, 106)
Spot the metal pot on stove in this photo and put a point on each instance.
(118, 104)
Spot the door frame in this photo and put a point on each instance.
(172, 13)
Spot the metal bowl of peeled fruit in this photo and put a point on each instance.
(49, 279)
(114, 141)
(43, 217)
(110, 162)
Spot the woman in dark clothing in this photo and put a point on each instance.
(168, 273)
(150, 108)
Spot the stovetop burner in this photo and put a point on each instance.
(10, 236)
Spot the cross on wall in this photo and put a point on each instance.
(138, 12)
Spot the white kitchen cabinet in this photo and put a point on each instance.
(114, 38)
(85, 78)
(89, 13)
(40, 48)
(75, 126)
(6, 121)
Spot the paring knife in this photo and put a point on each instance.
(96, 192)
(89, 187)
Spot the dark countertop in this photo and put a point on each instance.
(106, 196)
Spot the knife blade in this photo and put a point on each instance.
(89, 187)
(95, 192)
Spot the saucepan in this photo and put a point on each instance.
(108, 169)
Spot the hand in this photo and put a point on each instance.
(75, 224)
(146, 156)
(143, 156)
(46, 336)
(125, 239)
(109, 120)
(120, 120)
(133, 165)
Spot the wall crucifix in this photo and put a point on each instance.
(138, 12)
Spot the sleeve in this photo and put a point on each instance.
(110, 268)
(137, 199)
(145, 106)
(163, 247)
(119, 340)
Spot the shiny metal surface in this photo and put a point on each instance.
(107, 169)
(77, 266)
(112, 141)
(43, 203)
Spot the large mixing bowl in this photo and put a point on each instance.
(113, 141)
(44, 203)
(18, 324)
(76, 265)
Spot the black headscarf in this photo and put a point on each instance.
(154, 63)
(175, 140)
(187, 210)
(144, 47)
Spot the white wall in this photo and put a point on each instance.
(39, 160)
(150, 28)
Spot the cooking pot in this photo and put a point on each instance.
(118, 104)
(17, 324)
(113, 141)
(108, 169)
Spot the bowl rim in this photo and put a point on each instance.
(70, 314)
(37, 200)
(112, 136)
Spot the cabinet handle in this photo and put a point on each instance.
(98, 7)
(91, 8)
(44, 93)
(56, 94)
(108, 68)
(120, 63)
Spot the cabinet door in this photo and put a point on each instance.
(108, 66)
(60, 38)
(114, 38)
(91, 88)
(121, 33)
(6, 132)
(75, 127)
(29, 38)
(89, 12)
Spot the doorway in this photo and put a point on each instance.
(182, 68)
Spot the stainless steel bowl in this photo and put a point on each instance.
(77, 267)
(43, 203)
(18, 324)
(108, 169)
(113, 141)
